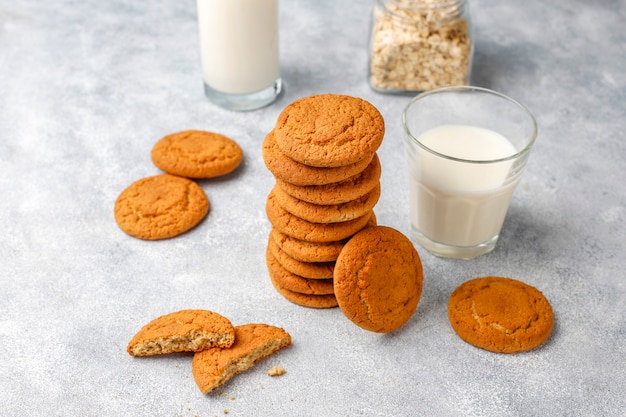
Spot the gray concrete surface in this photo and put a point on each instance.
(86, 89)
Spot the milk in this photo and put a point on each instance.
(239, 44)
(457, 202)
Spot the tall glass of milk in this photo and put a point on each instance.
(466, 150)
(239, 52)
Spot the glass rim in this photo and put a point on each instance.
(524, 109)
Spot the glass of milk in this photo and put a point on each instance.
(239, 51)
(466, 149)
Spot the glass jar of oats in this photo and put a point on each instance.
(417, 45)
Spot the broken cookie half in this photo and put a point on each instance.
(215, 366)
(183, 331)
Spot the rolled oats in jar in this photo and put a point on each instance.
(417, 45)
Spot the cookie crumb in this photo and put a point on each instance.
(276, 371)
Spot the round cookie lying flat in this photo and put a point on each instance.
(378, 279)
(301, 229)
(500, 314)
(334, 213)
(329, 130)
(182, 331)
(197, 154)
(293, 282)
(311, 270)
(285, 168)
(304, 251)
(160, 207)
(337, 192)
(305, 300)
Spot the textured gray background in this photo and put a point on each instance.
(86, 89)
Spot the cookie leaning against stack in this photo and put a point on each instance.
(322, 153)
(378, 279)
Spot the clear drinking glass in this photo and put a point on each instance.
(466, 150)
(239, 51)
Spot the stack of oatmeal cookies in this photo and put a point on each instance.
(322, 153)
